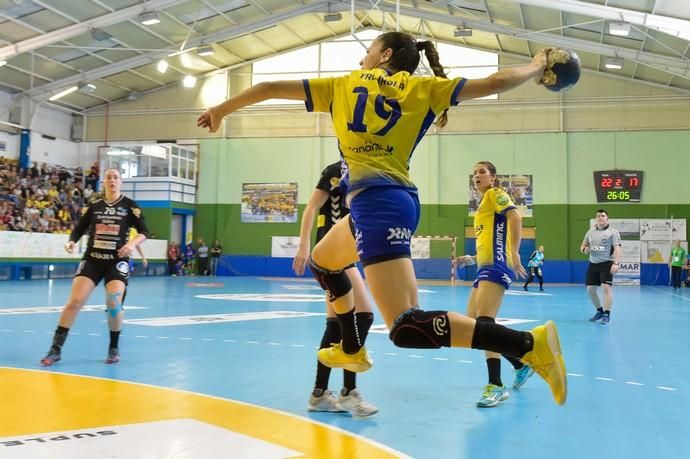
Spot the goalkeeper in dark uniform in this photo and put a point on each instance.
(329, 199)
(107, 221)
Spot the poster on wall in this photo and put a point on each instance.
(626, 227)
(518, 186)
(660, 229)
(269, 203)
(3, 146)
(629, 266)
(420, 248)
(659, 251)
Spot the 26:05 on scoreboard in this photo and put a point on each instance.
(618, 186)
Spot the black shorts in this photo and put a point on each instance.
(535, 270)
(599, 273)
(96, 270)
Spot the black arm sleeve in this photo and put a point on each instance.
(82, 225)
(136, 217)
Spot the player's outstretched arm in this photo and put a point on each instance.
(505, 79)
(286, 89)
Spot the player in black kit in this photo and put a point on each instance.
(108, 221)
(329, 199)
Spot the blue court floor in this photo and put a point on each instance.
(253, 341)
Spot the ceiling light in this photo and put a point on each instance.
(3, 62)
(613, 63)
(189, 81)
(463, 32)
(87, 88)
(63, 93)
(162, 66)
(99, 35)
(620, 29)
(149, 18)
(205, 50)
(332, 17)
(134, 95)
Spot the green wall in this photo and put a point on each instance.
(561, 165)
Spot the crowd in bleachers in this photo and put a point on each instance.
(45, 198)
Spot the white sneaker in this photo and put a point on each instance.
(326, 402)
(355, 404)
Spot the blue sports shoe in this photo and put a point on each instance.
(521, 376)
(493, 395)
(605, 320)
(596, 316)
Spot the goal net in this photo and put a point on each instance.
(432, 257)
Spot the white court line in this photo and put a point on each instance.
(599, 378)
(666, 388)
(252, 342)
(141, 336)
(207, 339)
(162, 337)
(29, 331)
(275, 344)
(465, 361)
(94, 334)
(391, 354)
(575, 374)
(297, 345)
(633, 383)
(229, 341)
(7, 330)
(184, 339)
(440, 358)
(414, 356)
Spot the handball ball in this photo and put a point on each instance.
(562, 70)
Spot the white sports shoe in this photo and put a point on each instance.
(326, 402)
(355, 404)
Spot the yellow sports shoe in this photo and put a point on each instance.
(335, 357)
(547, 360)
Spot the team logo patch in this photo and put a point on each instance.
(335, 181)
(136, 211)
(122, 267)
(80, 267)
(502, 200)
(440, 324)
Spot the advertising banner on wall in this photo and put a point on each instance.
(659, 251)
(628, 228)
(269, 203)
(284, 246)
(420, 248)
(19, 244)
(655, 229)
(518, 186)
(629, 265)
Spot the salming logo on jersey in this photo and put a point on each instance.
(491, 229)
(379, 119)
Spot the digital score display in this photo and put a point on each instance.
(618, 186)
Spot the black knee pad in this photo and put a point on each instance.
(331, 333)
(487, 319)
(421, 329)
(335, 283)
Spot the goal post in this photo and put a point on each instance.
(433, 257)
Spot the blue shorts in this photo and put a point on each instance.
(498, 274)
(385, 218)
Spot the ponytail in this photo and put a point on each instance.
(435, 63)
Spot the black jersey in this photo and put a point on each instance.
(334, 209)
(108, 225)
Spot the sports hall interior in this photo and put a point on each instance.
(222, 366)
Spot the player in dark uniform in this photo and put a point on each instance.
(329, 198)
(107, 221)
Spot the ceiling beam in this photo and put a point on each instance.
(672, 26)
(43, 92)
(68, 32)
(679, 67)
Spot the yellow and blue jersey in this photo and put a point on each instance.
(491, 229)
(379, 119)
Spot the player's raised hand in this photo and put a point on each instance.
(209, 119)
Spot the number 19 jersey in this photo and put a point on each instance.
(379, 119)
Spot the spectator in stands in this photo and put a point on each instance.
(173, 258)
(216, 252)
(202, 255)
(188, 259)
